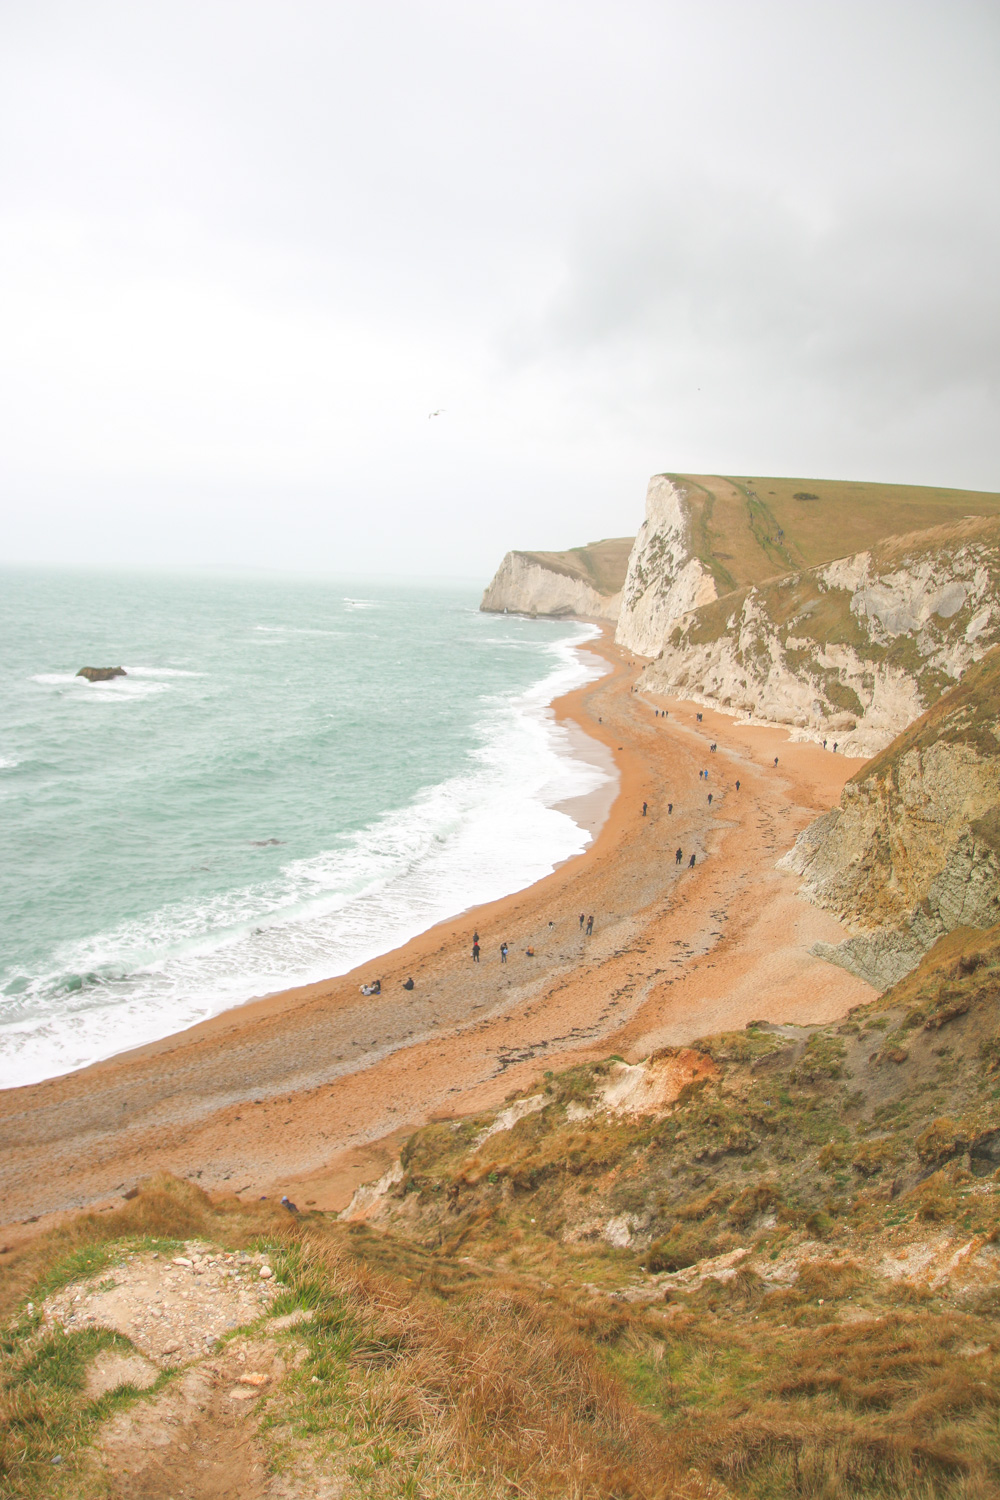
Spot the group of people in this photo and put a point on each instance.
(476, 950)
(586, 925)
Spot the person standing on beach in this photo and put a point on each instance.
(710, 799)
(670, 807)
(590, 925)
(582, 920)
(679, 857)
(503, 953)
(737, 786)
(475, 949)
(644, 806)
(691, 863)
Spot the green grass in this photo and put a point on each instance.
(740, 517)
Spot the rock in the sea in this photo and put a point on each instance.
(101, 674)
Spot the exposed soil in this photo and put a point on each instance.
(197, 1438)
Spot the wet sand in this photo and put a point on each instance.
(310, 1091)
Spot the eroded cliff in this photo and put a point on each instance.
(913, 851)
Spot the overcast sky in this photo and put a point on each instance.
(246, 248)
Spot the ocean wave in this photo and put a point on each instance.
(484, 833)
(7, 764)
(161, 672)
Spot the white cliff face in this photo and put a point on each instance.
(851, 652)
(664, 579)
(523, 586)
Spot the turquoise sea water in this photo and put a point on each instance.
(294, 776)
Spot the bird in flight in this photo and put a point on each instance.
(435, 413)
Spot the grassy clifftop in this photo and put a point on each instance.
(746, 530)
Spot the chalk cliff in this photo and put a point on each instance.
(851, 651)
(665, 579)
(913, 850)
(584, 582)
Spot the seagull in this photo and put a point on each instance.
(437, 413)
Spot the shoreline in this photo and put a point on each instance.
(311, 1087)
(438, 897)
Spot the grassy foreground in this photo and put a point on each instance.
(783, 1283)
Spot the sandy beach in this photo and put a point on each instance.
(310, 1091)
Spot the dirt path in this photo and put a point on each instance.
(311, 1091)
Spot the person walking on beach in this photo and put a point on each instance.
(679, 857)
(670, 807)
(475, 949)
(710, 799)
(503, 953)
(775, 760)
(691, 863)
(582, 920)
(644, 806)
(737, 786)
(590, 925)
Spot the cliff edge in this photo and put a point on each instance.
(582, 583)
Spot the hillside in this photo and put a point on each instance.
(913, 851)
(764, 1266)
(584, 581)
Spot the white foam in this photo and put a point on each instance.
(115, 689)
(160, 672)
(6, 764)
(470, 839)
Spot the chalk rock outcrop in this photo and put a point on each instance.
(913, 851)
(665, 579)
(853, 651)
(101, 674)
(584, 582)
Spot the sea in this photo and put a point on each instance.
(294, 776)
